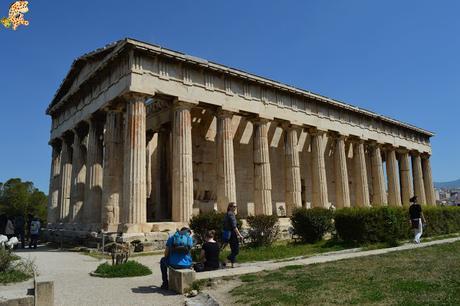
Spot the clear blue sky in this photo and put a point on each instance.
(397, 58)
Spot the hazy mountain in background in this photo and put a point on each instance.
(452, 184)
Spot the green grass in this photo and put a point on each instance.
(129, 269)
(425, 276)
(13, 276)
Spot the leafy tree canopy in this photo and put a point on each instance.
(22, 198)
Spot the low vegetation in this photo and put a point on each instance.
(128, 269)
(427, 276)
(13, 269)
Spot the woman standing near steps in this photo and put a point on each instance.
(231, 228)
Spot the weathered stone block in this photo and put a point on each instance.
(44, 293)
(23, 301)
(181, 280)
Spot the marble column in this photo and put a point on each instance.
(293, 188)
(66, 178)
(226, 185)
(262, 173)
(134, 176)
(360, 173)
(406, 178)
(419, 188)
(394, 192)
(163, 182)
(428, 181)
(342, 189)
(151, 172)
(78, 176)
(318, 177)
(378, 179)
(93, 181)
(182, 173)
(112, 186)
(53, 198)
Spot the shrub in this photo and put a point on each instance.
(6, 260)
(377, 224)
(441, 220)
(128, 269)
(14, 269)
(263, 229)
(202, 223)
(312, 224)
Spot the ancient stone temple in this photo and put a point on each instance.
(141, 135)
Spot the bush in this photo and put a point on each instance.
(312, 224)
(14, 269)
(367, 225)
(6, 260)
(263, 229)
(441, 220)
(202, 223)
(128, 269)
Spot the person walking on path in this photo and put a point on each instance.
(177, 254)
(9, 229)
(34, 232)
(19, 230)
(231, 232)
(417, 219)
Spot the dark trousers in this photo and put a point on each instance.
(21, 237)
(234, 247)
(33, 240)
(164, 269)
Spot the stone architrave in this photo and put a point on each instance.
(360, 172)
(378, 179)
(226, 186)
(318, 168)
(53, 198)
(419, 188)
(406, 178)
(428, 181)
(66, 179)
(182, 173)
(262, 173)
(342, 189)
(93, 181)
(293, 186)
(394, 192)
(134, 176)
(112, 191)
(78, 177)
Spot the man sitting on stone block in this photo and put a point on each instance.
(177, 254)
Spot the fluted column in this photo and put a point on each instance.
(419, 188)
(360, 171)
(182, 174)
(394, 192)
(406, 178)
(262, 173)
(78, 177)
(93, 181)
(66, 179)
(226, 185)
(378, 179)
(342, 189)
(134, 180)
(112, 186)
(293, 186)
(319, 181)
(428, 181)
(53, 197)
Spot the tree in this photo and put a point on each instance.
(22, 198)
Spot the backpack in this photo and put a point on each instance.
(182, 243)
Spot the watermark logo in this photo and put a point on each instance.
(16, 15)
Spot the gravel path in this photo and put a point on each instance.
(74, 286)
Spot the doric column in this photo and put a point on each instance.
(262, 173)
(163, 174)
(53, 198)
(360, 172)
(93, 182)
(293, 186)
(78, 175)
(134, 180)
(419, 188)
(182, 174)
(342, 189)
(378, 179)
(112, 186)
(318, 168)
(394, 193)
(428, 181)
(406, 178)
(66, 178)
(226, 185)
